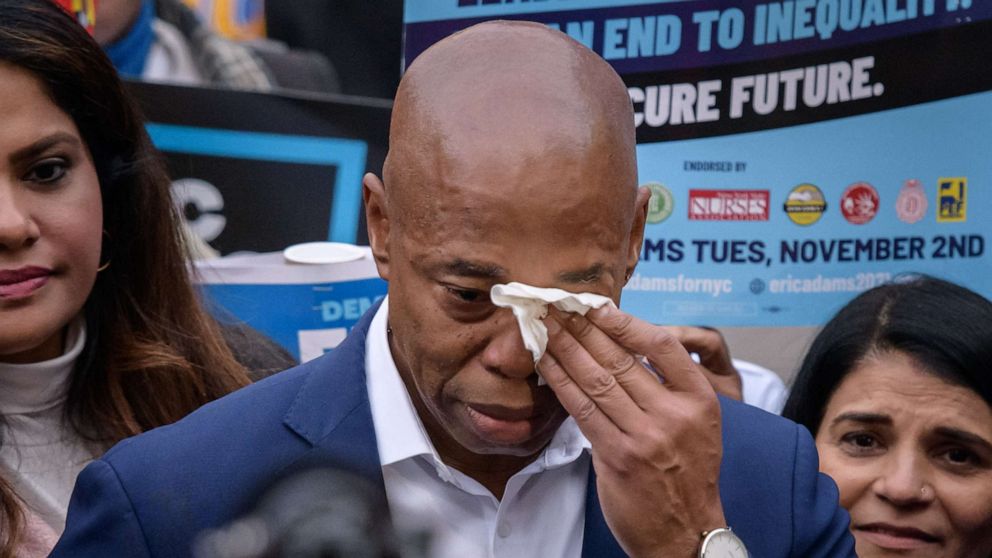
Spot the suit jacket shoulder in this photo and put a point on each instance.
(151, 495)
(773, 494)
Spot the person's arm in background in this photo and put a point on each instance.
(733, 378)
(763, 388)
(713, 357)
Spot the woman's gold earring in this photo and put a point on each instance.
(106, 265)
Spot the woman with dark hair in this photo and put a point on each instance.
(101, 333)
(897, 391)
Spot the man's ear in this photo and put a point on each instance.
(377, 219)
(637, 230)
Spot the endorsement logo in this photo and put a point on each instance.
(911, 205)
(805, 205)
(728, 205)
(859, 204)
(952, 199)
(661, 204)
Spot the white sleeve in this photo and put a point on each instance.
(762, 387)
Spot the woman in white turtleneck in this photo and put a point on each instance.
(101, 334)
(41, 454)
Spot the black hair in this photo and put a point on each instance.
(944, 327)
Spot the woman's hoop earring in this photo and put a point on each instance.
(105, 265)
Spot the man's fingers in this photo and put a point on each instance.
(639, 384)
(662, 349)
(593, 423)
(600, 384)
(709, 344)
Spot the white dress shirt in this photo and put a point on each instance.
(542, 513)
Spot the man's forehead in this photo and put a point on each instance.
(549, 163)
(482, 140)
(545, 202)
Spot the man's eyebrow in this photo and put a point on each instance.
(44, 144)
(588, 275)
(963, 437)
(466, 268)
(866, 418)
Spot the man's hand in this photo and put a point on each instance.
(714, 358)
(656, 446)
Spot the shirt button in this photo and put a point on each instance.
(504, 529)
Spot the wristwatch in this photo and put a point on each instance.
(722, 543)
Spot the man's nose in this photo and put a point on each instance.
(905, 480)
(17, 229)
(505, 353)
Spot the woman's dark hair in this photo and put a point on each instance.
(152, 354)
(945, 328)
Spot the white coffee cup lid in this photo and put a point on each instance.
(322, 253)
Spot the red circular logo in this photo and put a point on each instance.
(859, 204)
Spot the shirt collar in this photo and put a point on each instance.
(400, 434)
(26, 388)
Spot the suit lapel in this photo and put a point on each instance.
(597, 540)
(331, 409)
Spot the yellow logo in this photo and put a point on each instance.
(952, 199)
(805, 204)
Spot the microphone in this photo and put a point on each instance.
(316, 512)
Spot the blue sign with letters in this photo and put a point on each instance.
(798, 151)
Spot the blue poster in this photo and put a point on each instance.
(798, 152)
(308, 309)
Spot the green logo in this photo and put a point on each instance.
(661, 204)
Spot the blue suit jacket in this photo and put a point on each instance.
(152, 494)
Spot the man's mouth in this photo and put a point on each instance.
(895, 537)
(500, 423)
(501, 412)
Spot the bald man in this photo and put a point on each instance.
(511, 159)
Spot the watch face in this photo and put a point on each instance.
(722, 543)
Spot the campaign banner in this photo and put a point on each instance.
(257, 172)
(308, 309)
(798, 152)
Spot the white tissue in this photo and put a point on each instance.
(530, 305)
